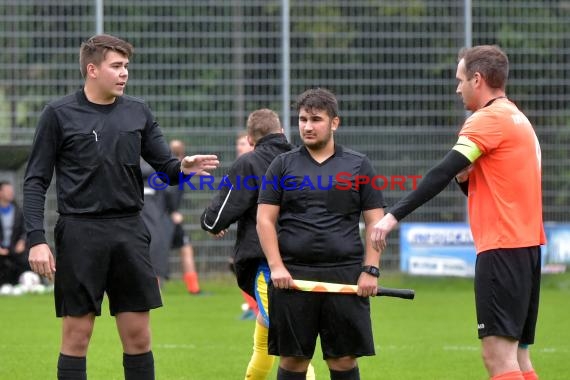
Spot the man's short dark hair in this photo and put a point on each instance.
(489, 61)
(318, 99)
(95, 48)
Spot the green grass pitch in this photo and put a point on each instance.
(202, 337)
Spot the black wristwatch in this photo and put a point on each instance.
(372, 270)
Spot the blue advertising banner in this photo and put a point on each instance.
(556, 252)
(446, 249)
(437, 249)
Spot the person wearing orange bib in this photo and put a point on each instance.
(496, 162)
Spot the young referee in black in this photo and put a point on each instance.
(311, 193)
(94, 139)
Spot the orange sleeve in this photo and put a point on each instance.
(483, 129)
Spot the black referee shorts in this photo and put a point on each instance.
(342, 321)
(103, 255)
(507, 288)
(179, 238)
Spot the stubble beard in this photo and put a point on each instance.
(319, 144)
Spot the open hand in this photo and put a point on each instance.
(199, 164)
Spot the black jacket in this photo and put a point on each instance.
(239, 203)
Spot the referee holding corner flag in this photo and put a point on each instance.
(313, 234)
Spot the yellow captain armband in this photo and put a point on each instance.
(467, 148)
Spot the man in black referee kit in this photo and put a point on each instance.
(94, 139)
(318, 239)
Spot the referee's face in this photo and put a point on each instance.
(465, 87)
(111, 75)
(316, 128)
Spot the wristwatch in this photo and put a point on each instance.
(370, 269)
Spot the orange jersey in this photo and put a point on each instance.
(505, 194)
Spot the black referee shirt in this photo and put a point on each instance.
(320, 206)
(95, 150)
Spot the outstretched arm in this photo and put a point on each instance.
(432, 184)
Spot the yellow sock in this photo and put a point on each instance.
(261, 362)
(310, 372)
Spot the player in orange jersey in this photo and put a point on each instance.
(496, 162)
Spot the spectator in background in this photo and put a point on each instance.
(243, 144)
(181, 240)
(157, 220)
(13, 252)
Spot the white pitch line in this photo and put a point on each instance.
(545, 350)
(461, 348)
(176, 346)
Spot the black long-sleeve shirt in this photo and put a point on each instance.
(432, 184)
(95, 151)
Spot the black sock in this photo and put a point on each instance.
(139, 367)
(351, 374)
(71, 367)
(283, 374)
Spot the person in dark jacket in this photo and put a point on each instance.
(94, 139)
(238, 203)
(180, 239)
(157, 219)
(13, 252)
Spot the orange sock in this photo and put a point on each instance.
(513, 375)
(530, 375)
(250, 302)
(191, 281)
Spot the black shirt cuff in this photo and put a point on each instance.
(36, 237)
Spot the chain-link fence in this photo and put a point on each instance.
(203, 65)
